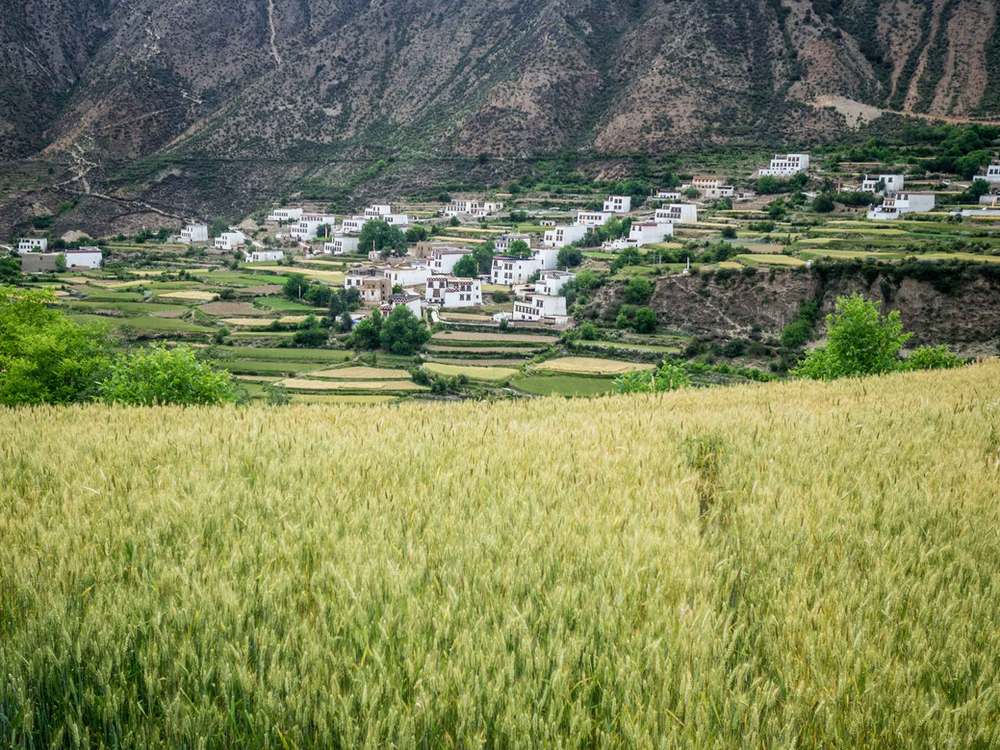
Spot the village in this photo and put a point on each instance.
(579, 279)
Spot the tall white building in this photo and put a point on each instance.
(993, 173)
(449, 291)
(230, 240)
(591, 219)
(618, 204)
(891, 183)
(341, 245)
(444, 259)
(286, 215)
(564, 235)
(535, 307)
(787, 165)
(194, 233)
(32, 245)
(308, 226)
(679, 213)
(85, 257)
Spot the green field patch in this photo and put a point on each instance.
(143, 323)
(564, 385)
(286, 305)
(264, 367)
(774, 260)
(475, 338)
(471, 372)
(280, 354)
(632, 347)
(132, 308)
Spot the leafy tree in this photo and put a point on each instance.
(734, 348)
(569, 257)
(10, 271)
(979, 188)
(402, 332)
(217, 227)
(627, 257)
(454, 222)
(861, 341)
(318, 295)
(466, 267)
(163, 235)
(768, 185)
(729, 233)
(311, 336)
(483, 253)
(157, 375)
(44, 357)
(337, 304)
(776, 211)
(586, 280)
(588, 332)
(352, 298)
(823, 204)
(692, 193)
(638, 290)
(621, 322)
(346, 321)
(60, 263)
(519, 249)
(501, 297)
(383, 237)
(295, 286)
(416, 234)
(367, 334)
(644, 320)
(444, 197)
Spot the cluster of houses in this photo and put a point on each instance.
(36, 259)
(427, 279)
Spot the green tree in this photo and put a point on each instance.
(61, 263)
(588, 332)
(416, 234)
(861, 341)
(644, 320)
(768, 185)
(382, 237)
(366, 335)
(569, 257)
(454, 222)
(318, 295)
(823, 204)
(627, 257)
(466, 267)
(729, 233)
(586, 280)
(403, 333)
(346, 322)
(10, 271)
(519, 249)
(44, 357)
(157, 375)
(483, 253)
(638, 290)
(933, 358)
(295, 286)
(218, 226)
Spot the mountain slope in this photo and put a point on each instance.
(134, 93)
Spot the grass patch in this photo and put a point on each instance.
(471, 372)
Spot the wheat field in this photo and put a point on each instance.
(795, 565)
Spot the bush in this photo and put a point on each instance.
(734, 348)
(729, 233)
(158, 375)
(644, 320)
(669, 377)
(311, 337)
(933, 358)
(588, 332)
(367, 334)
(569, 257)
(795, 335)
(638, 290)
(501, 297)
(823, 204)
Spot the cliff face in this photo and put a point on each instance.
(966, 315)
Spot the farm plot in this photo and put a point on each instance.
(564, 385)
(243, 309)
(301, 384)
(362, 373)
(470, 371)
(590, 366)
(334, 277)
(455, 338)
(632, 347)
(774, 260)
(192, 295)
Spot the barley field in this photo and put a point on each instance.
(796, 565)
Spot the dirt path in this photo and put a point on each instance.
(270, 21)
(858, 114)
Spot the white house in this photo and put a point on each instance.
(891, 183)
(894, 206)
(548, 258)
(643, 233)
(378, 211)
(788, 165)
(473, 207)
(993, 173)
(230, 240)
(354, 225)
(411, 301)
(547, 222)
(31, 245)
(85, 257)
(679, 213)
(341, 245)
(502, 243)
(444, 259)
(592, 219)
(408, 275)
(703, 183)
(194, 233)
(307, 227)
(509, 270)
(564, 235)
(384, 212)
(668, 195)
(286, 215)
(535, 307)
(618, 204)
(550, 283)
(263, 255)
(449, 291)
